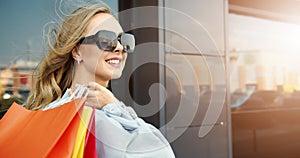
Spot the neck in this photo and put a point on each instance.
(83, 77)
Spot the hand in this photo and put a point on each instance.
(99, 96)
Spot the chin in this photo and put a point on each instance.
(116, 75)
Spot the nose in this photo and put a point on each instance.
(119, 48)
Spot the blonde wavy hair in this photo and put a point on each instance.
(55, 72)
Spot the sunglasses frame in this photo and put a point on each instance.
(117, 38)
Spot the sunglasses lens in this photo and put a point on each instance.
(107, 45)
(107, 41)
(128, 42)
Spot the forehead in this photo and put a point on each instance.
(103, 21)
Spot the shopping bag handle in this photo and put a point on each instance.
(80, 91)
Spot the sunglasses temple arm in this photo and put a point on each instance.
(87, 40)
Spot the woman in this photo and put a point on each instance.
(68, 61)
(90, 48)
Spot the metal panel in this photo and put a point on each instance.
(189, 145)
(197, 121)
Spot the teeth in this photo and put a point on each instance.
(113, 61)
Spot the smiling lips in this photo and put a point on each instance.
(115, 62)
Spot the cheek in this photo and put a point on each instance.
(93, 60)
(91, 56)
(90, 52)
(125, 57)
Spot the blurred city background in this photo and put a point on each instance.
(257, 42)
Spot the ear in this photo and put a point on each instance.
(76, 54)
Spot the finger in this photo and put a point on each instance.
(95, 94)
(92, 104)
(92, 92)
(93, 85)
(96, 86)
(92, 101)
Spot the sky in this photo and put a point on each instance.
(21, 27)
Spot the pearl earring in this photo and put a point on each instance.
(78, 61)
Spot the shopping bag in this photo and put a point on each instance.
(85, 145)
(40, 133)
(90, 150)
(65, 146)
(81, 133)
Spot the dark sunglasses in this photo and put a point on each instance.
(108, 40)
